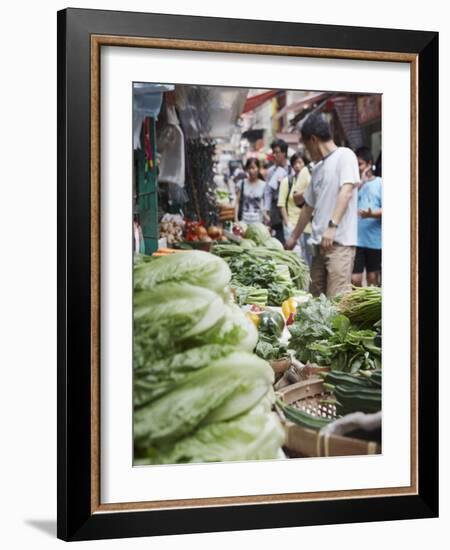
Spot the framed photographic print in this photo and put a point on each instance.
(247, 274)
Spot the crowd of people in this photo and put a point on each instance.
(326, 205)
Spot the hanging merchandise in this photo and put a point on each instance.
(147, 144)
(146, 185)
(147, 100)
(200, 186)
(171, 148)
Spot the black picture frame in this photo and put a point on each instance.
(76, 519)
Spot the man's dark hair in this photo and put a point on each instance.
(316, 125)
(365, 154)
(281, 144)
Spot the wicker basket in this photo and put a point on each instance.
(308, 396)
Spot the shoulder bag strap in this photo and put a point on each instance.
(290, 184)
(241, 201)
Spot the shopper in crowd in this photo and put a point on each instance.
(275, 175)
(291, 200)
(250, 194)
(265, 165)
(368, 251)
(331, 197)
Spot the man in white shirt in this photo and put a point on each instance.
(332, 198)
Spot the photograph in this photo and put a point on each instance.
(247, 259)
(256, 231)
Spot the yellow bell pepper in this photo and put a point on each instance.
(289, 309)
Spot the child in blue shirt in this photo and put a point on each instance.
(368, 251)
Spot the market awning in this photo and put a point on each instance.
(257, 100)
(302, 104)
(345, 107)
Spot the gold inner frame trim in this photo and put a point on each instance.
(128, 41)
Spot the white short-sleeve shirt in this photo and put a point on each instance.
(328, 176)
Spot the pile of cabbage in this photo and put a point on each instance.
(200, 394)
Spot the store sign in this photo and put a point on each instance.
(369, 108)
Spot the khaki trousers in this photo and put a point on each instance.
(331, 273)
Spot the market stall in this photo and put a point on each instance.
(215, 365)
(233, 358)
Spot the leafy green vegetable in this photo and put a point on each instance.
(260, 273)
(313, 322)
(228, 387)
(158, 377)
(255, 384)
(193, 267)
(274, 244)
(250, 295)
(258, 232)
(321, 335)
(255, 435)
(271, 350)
(194, 372)
(226, 250)
(142, 259)
(247, 243)
(235, 330)
(171, 316)
(347, 349)
(298, 269)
